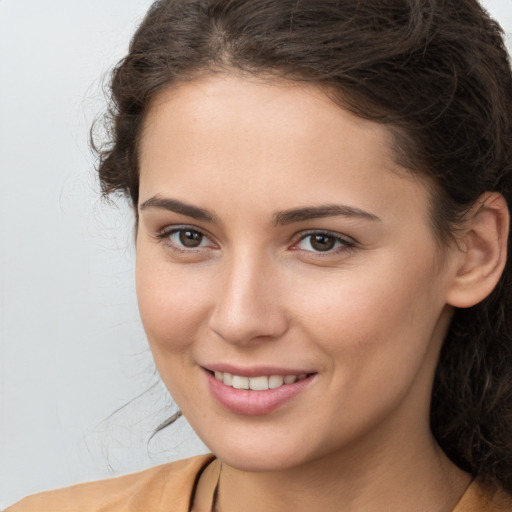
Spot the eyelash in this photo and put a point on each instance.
(165, 235)
(342, 243)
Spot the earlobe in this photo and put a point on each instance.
(482, 251)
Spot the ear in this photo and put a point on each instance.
(482, 251)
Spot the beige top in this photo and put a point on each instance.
(171, 487)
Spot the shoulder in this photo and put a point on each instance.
(482, 497)
(153, 489)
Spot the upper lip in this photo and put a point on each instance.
(255, 371)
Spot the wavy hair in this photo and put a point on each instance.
(437, 73)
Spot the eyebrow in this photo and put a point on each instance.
(173, 205)
(280, 218)
(319, 212)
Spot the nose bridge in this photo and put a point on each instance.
(247, 306)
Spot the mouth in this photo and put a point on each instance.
(258, 383)
(260, 391)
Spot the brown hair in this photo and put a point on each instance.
(436, 72)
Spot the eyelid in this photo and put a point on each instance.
(346, 241)
(164, 234)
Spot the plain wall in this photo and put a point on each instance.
(72, 349)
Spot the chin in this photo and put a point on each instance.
(260, 456)
(256, 462)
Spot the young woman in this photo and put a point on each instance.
(320, 192)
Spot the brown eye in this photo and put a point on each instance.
(322, 242)
(190, 238)
(185, 239)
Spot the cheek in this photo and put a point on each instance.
(380, 340)
(376, 322)
(172, 304)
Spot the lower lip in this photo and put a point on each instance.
(254, 403)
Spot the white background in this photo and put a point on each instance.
(72, 349)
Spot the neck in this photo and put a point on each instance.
(390, 475)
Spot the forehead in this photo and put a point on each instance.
(257, 106)
(274, 140)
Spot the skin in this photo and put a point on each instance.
(367, 317)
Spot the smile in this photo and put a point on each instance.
(256, 394)
(261, 383)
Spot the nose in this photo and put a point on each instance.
(247, 306)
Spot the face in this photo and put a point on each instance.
(280, 249)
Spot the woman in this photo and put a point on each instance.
(320, 191)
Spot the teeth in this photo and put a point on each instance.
(275, 381)
(258, 383)
(240, 382)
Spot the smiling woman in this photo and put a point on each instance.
(275, 284)
(320, 191)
